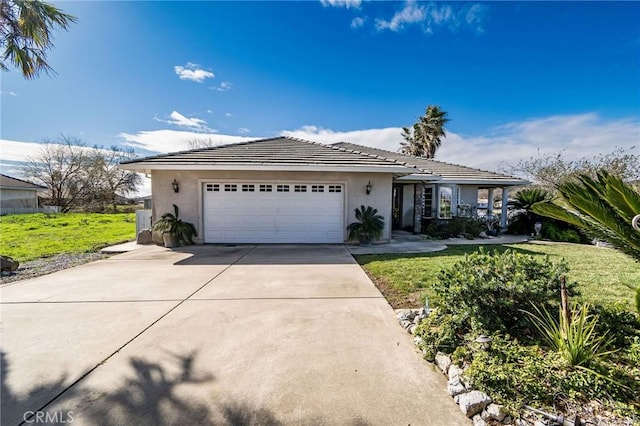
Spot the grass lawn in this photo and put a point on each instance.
(601, 273)
(31, 236)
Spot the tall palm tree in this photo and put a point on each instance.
(26, 34)
(603, 208)
(425, 137)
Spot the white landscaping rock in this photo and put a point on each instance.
(472, 403)
(454, 371)
(478, 421)
(443, 361)
(455, 386)
(496, 412)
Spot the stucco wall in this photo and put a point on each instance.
(18, 198)
(189, 199)
(469, 195)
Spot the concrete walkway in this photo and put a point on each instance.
(214, 335)
(404, 242)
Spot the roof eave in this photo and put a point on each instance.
(147, 167)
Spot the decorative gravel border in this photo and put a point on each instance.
(48, 265)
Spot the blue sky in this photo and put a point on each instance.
(516, 77)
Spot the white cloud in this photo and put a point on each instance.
(192, 72)
(223, 87)
(411, 13)
(228, 114)
(357, 22)
(577, 136)
(244, 130)
(10, 93)
(179, 120)
(433, 15)
(342, 3)
(174, 140)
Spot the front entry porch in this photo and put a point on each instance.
(415, 204)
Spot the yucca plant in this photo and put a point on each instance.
(369, 225)
(572, 336)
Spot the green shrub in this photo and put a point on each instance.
(454, 227)
(439, 333)
(487, 290)
(622, 325)
(515, 374)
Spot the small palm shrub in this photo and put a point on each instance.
(182, 231)
(369, 225)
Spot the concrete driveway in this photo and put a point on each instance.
(221, 335)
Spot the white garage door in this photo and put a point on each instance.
(270, 212)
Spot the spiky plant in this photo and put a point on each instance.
(603, 208)
(369, 224)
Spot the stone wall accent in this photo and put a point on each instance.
(417, 208)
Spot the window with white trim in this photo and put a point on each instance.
(230, 187)
(248, 188)
(445, 207)
(266, 188)
(282, 188)
(335, 188)
(300, 188)
(317, 188)
(213, 187)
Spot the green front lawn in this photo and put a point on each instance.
(31, 236)
(601, 273)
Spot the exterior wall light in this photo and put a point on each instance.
(369, 186)
(485, 341)
(175, 185)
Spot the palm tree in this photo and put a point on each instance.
(603, 208)
(25, 34)
(424, 138)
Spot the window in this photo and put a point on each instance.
(248, 188)
(266, 188)
(300, 188)
(445, 205)
(282, 188)
(211, 187)
(317, 188)
(230, 187)
(427, 202)
(335, 188)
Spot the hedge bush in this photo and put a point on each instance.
(487, 291)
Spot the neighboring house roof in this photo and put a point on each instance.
(281, 153)
(8, 182)
(448, 173)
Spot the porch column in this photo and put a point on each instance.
(417, 207)
(505, 202)
(490, 201)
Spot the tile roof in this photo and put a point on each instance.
(11, 182)
(286, 152)
(448, 172)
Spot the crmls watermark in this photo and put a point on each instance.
(56, 417)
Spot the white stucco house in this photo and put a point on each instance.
(17, 195)
(287, 190)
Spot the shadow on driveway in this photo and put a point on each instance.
(150, 395)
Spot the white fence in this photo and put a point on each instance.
(143, 220)
(23, 210)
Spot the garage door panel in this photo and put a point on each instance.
(244, 216)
